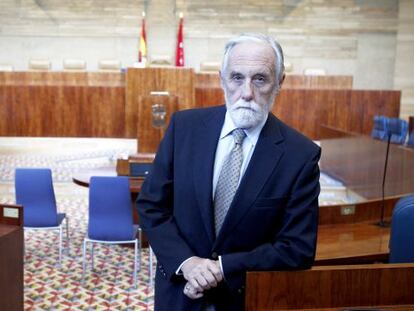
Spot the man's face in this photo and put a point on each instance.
(249, 83)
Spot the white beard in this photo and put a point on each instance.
(247, 114)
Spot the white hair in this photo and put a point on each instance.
(256, 37)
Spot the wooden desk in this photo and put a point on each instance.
(358, 162)
(344, 287)
(11, 259)
(358, 243)
(83, 178)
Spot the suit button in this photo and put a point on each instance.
(240, 291)
(214, 255)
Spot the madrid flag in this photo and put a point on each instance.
(179, 54)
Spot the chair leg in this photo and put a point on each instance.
(24, 246)
(60, 245)
(83, 261)
(92, 255)
(139, 248)
(67, 236)
(135, 263)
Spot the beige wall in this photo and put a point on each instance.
(404, 63)
(369, 39)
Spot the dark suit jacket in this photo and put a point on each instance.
(271, 224)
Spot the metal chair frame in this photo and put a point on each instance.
(55, 228)
(137, 252)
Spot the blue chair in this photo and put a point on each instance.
(410, 142)
(384, 126)
(398, 129)
(379, 130)
(402, 233)
(110, 218)
(34, 191)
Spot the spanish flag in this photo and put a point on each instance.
(142, 53)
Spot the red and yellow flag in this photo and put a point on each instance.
(179, 54)
(142, 53)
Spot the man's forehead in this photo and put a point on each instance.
(252, 54)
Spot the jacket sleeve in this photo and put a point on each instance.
(155, 208)
(294, 246)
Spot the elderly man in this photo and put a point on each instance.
(232, 189)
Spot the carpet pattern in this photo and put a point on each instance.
(48, 286)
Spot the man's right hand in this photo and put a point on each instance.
(202, 273)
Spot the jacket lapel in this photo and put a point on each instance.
(205, 144)
(265, 158)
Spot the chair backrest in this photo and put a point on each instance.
(34, 190)
(40, 64)
(210, 67)
(384, 126)
(314, 72)
(402, 233)
(398, 129)
(110, 211)
(109, 65)
(410, 141)
(74, 64)
(6, 67)
(379, 130)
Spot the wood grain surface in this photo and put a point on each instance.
(356, 243)
(62, 111)
(306, 109)
(11, 260)
(331, 287)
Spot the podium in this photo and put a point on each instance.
(154, 113)
(11, 257)
(140, 84)
(332, 287)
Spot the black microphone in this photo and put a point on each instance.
(393, 126)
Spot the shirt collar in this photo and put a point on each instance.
(252, 134)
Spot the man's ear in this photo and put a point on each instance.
(281, 80)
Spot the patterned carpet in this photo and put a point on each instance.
(47, 286)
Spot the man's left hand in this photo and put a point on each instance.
(191, 292)
(202, 273)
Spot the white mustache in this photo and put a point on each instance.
(241, 104)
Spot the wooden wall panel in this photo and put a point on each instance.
(73, 111)
(108, 102)
(331, 287)
(307, 109)
(140, 82)
(212, 80)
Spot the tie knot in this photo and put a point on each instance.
(238, 135)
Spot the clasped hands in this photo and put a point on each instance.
(201, 274)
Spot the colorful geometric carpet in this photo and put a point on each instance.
(46, 285)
